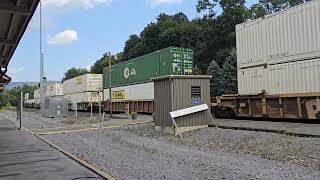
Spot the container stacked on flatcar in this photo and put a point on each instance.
(278, 58)
(83, 91)
(132, 89)
(51, 91)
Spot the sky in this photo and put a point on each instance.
(78, 32)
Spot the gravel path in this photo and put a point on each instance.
(139, 152)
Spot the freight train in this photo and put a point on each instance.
(278, 59)
(132, 89)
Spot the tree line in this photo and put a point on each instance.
(9, 97)
(211, 37)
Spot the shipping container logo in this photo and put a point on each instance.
(129, 72)
(78, 80)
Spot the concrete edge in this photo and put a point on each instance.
(268, 130)
(80, 161)
(180, 130)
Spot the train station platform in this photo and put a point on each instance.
(25, 156)
(290, 128)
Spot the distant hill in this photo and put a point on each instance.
(18, 84)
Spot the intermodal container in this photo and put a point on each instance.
(168, 61)
(83, 97)
(84, 83)
(294, 77)
(54, 90)
(141, 92)
(281, 37)
(36, 94)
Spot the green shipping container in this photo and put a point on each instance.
(168, 61)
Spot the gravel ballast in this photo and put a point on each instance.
(139, 152)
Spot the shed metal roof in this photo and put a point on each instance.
(15, 16)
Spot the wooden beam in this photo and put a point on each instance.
(11, 8)
(4, 41)
(3, 58)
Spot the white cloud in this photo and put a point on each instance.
(160, 2)
(86, 4)
(65, 37)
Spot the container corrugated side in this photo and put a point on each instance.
(36, 94)
(168, 61)
(295, 77)
(137, 92)
(281, 37)
(84, 97)
(54, 90)
(26, 96)
(84, 83)
(251, 80)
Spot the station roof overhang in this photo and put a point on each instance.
(15, 16)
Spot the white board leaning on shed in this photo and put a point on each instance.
(188, 111)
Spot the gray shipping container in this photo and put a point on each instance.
(178, 92)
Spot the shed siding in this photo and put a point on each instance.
(161, 100)
(165, 103)
(182, 99)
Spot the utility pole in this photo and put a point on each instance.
(110, 93)
(41, 64)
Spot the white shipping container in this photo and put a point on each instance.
(29, 101)
(140, 92)
(251, 81)
(84, 83)
(36, 94)
(26, 96)
(294, 77)
(36, 101)
(54, 90)
(84, 97)
(281, 37)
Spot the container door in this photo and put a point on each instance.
(187, 56)
(165, 62)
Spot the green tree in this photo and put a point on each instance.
(216, 82)
(272, 6)
(196, 70)
(74, 72)
(256, 11)
(103, 62)
(9, 97)
(229, 75)
(207, 6)
(132, 47)
(4, 99)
